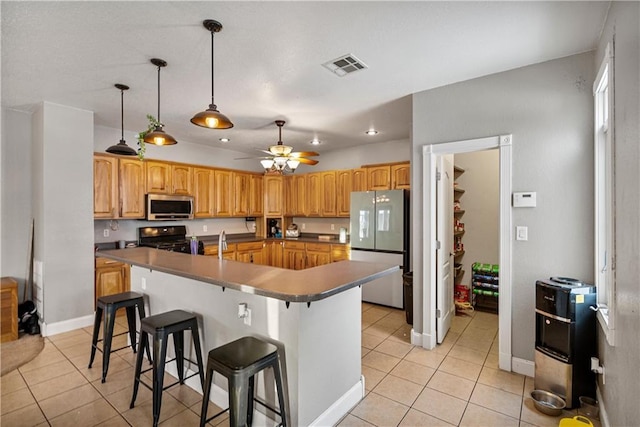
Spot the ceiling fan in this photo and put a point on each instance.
(281, 158)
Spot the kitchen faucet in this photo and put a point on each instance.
(222, 243)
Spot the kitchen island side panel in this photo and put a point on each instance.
(320, 343)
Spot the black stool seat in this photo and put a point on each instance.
(160, 326)
(239, 361)
(106, 307)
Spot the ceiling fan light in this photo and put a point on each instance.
(293, 164)
(280, 150)
(211, 118)
(280, 162)
(159, 137)
(267, 164)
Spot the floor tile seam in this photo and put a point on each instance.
(22, 407)
(501, 389)
(438, 418)
(406, 379)
(465, 360)
(401, 403)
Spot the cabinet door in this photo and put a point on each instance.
(132, 188)
(328, 194)
(181, 179)
(256, 202)
(300, 188)
(276, 254)
(223, 192)
(290, 195)
(203, 192)
(251, 252)
(343, 187)
(401, 176)
(315, 259)
(339, 253)
(273, 195)
(228, 254)
(158, 176)
(105, 187)
(241, 193)
(294, 259)
(379, 177)
(314, 188)
(359, 180)
(112, 277)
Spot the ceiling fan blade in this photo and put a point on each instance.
(253, 157)
(264, 151)
(304, 154)
(307, 161)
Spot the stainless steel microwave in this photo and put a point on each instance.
(165, 207)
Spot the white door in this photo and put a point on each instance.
(445, 308)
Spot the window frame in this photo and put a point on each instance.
(604, 196)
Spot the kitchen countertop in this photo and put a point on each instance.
(312, 284)
(242, 238)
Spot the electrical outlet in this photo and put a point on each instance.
(247, 317)
(304, 225)
(143, 283)
(205, 228)
(105, 232)
(333, 227)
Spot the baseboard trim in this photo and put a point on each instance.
(49, 329)
(604, 417)
(523, 366)
(425, 341)
(342, 406)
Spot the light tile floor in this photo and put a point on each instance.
(458, 383)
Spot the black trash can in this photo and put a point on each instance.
(407, 279)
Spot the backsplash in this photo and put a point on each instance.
(321, 225)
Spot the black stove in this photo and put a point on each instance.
(173, 238)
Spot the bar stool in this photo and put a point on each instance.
(160, 326)
(239, 361)
(109, 305)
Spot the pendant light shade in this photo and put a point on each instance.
(122, 148)
(211, 118)
(158, 136)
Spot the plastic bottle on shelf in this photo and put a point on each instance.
(194, 245)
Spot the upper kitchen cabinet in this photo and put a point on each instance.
(401, 176)
(203, 191)
(223, 192)
(314, 194)
(241, 193)
(290, 195)
(359, 180)
(158, 176)
(105, 187)
(131, 188)
(300, 190)
(181, 179)
(343, 201)
(328, 194)
(273, 196)
(256, 201)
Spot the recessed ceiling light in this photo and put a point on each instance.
(224, 140)
(371, 132)
(315, 141)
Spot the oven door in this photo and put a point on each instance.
(554, 336)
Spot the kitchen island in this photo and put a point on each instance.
(313, 316)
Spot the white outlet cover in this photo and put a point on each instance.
(205, 228)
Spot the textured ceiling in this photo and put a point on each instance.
(268, 60)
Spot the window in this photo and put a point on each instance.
(605, 257)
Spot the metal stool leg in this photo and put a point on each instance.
(238, 401)
(159, 357)
(278, 375)
(144, 343)
(206, 392)
(107, 337)
(178, 344)
(96, 334)
(131, 322)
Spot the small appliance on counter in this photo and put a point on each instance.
(292, 231)
(273, 228)
(172, 238)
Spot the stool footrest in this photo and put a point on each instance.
(263, 403)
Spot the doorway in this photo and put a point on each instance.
(432, 155)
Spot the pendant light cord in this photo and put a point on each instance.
(159, 94)
(122, 112)
(212, 63)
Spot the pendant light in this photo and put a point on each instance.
(122, 148)
(158, 136)
(211, 118)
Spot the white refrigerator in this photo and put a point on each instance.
(379, 222)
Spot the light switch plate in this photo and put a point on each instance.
(522, 233)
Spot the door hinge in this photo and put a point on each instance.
(438, 313)
(438, 176)
(438, 244)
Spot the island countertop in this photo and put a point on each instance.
(307, 285)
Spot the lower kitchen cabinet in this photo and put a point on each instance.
(276, 256)
(228, 254)
(339, 253)
(318, 254)
(294, 255)
(112, 277)
(252, 252)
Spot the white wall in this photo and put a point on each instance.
(354, 157)
(480, 202)
(548, 109)
(622, 362)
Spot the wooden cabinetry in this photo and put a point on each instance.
(158, 177)
(228, 254)
(273, 200)
(252, 252)
(8, 309)
(300, 189)
(339, 253)
(241, 193)
(317, 254)
(328, 194)
(181, 179)
(256, 201)
(343, 187)
(223, 192)
(359, 180)
(290, 196)
(314, 194)
(105, 187)
(379, 177)
(294, 255)
(112, 277)
(276, 253)
(131, 188)
(203, 191)
(400, 176)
